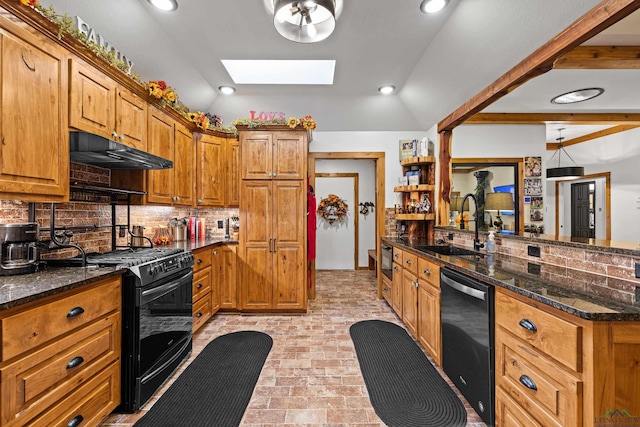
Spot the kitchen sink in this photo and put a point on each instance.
(448, 250)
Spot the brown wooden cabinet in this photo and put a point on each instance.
(34, 154)
(183, 166)
(429, 335)
(100, 106)
(410, 301)
(398, 282)
(420, 222)
(217, 175)
(203, 277)
(56, 367)
(225, 265)
(273, 155)
(387, 290)
(555, 369)
(273, 245)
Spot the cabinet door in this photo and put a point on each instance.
(160, 143)
(34, 154)
(289, 155)
(183, 166)
(227, 274)
(410, 301)
(91, 101)
(217, 260)
(211, 164)
(397, 289)
(131, 119)
(232, 197)
(289, 221)
(429, 320)
(256, 155)
(256, 281)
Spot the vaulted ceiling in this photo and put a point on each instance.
(437, 62)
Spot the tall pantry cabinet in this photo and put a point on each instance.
(273, 218)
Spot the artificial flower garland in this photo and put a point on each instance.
(160, 90)
(332, 208)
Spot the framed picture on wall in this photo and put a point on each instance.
(408, 148)
(533, 186)
(536, 202)
(532, 166)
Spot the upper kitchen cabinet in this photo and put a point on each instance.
(99, 105)
(173, 141)
(273, 155)
(217, 173)
(34, 154)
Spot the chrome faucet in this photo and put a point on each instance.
(476, 242)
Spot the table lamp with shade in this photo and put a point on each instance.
(498, 202)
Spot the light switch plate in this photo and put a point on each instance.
(220, 224)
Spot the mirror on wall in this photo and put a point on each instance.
(601, 134)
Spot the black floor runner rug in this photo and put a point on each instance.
(215, 389)
(404, 388)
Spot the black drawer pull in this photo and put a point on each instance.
(386, 289)
(75, 421)
(76, 361)
(199, 261)
(198, 314)
(77, 311)
(427, 271)
(528, 325)
(409, 261)
(528, 382)
(199, 285)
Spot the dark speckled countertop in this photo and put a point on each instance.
(506, 271)
(21, 289)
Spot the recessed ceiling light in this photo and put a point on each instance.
(577, 95)
(432, 6)
(166, 5)
(386, 89)
(227, 90)
(280, 72)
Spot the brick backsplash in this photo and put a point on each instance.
(610, 275)
(95, 215)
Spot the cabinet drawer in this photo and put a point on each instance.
(201, 312)
(410, 262)
(510, 414)
(536, 383)
(90, 404)
(556, 337)
(41, 378)
(29, 328)
(429, 271)
(201, 283)
(202, 259)
(397, 255)
(387, 290)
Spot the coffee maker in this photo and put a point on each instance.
(19, 251)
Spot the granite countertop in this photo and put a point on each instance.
(537, 283)
(24, 288)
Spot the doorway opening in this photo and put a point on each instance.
(583, 221)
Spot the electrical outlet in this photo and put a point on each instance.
(450, 236)
(638, 270)
(533, 269)
(220, 224)
(533, 251)
(121, 232)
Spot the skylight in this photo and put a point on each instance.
(280, 72)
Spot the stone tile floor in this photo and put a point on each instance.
(312, 376)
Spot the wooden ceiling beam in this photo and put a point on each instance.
(593, 22)
(605, 132)
(600, 58)
(544, 118)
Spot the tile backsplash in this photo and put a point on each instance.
(97, 216)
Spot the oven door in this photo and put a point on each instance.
(157, 335)
(386, 263)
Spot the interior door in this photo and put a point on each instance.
(582, 210)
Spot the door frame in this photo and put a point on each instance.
(355, 206)
(607, 200)
(379, 158)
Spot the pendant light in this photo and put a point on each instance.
(563, 172)
(305, 21)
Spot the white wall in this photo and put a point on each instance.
(366, 193)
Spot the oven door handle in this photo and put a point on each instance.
(158, 291)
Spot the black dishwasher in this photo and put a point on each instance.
(467, 339)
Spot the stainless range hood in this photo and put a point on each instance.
(97, 150)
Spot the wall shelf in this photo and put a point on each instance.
(414, 188)
(416, 217)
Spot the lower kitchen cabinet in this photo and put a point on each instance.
(410, 301)
(397, 288)
(59, 367)
(224, 263)
(429, 332)
(387, 290)
(201, 297)
(554, 369)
